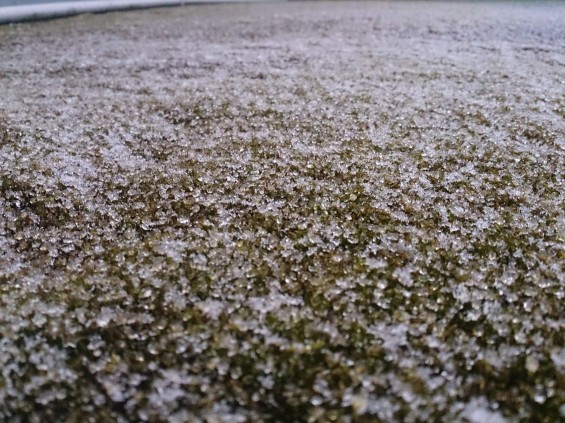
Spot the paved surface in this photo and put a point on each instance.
(348, 211)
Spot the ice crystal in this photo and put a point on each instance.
(284, 212)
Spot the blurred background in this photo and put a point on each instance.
(26, 2)
(22, 2)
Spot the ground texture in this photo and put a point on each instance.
(294, 212)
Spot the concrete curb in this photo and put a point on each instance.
(33, 12)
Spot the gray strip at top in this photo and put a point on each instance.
(49, 10)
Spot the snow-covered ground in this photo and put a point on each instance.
(284, 212)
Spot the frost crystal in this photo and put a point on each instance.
(284, 212)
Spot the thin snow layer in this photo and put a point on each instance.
(291, 212)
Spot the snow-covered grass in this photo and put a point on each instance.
(295, 212)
